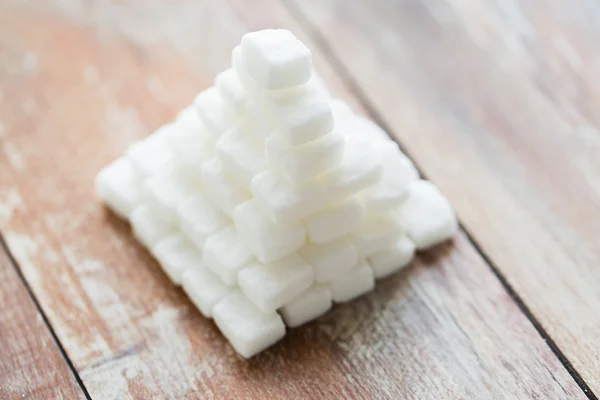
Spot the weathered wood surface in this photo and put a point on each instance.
(79, 81)
(498, 103)
(31, 364)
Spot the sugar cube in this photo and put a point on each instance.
(353, 284)
(259, 127)
(302, 118)
(341, 111)
(199, 218)
(248, 329)
(427, 215)
(365, 128)
(276, 59)
(377, 233)
(251, 87)
(270, 286)
(268, 241)
(225, 253)
(360, 169)
(176, 253)
(166, 190)
(150, 155)
(254, 92)
(190, 119)
(386, 262)
(232, 90)
(311, 304)
(398, 173)
(335, 221)
(318, 81)
(300, 164)
(118, 185)
(315, 82)
(330, 260)
(204, 288)
(285, 202)
(191, 142)
(242, 155)
(223, 191)
(213, 111)
(148, 227)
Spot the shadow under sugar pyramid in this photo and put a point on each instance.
(267, 200)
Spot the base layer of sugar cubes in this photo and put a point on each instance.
(267, 200)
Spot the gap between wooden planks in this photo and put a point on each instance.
(31, 363)
(499, 102)
(445, 328)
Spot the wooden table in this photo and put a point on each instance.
(496, 101)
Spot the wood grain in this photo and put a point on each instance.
(31, 364)
(498, 103)
(81, 81)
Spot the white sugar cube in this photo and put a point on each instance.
(311, 304)
(300, 164)
(398, 173)
(190, 119)
(242, 155)
(345, 120)
(318, 81)
(268, 241)
(260, 95)
(365, 128)
(427, 215)
(237, 64)
(249, 330)
(301, 118)
(259, 126)
(191, 142)
(225, 253)
(341, 111)
(223, 191)
(275, 59)
(314, 83)
(377, 233)
(360, 169)
(356, 127)
(166, 190)
(255, 93)
(270, 286)
(353, 284)
(118, 185)
(335, 221)
(176, 253)
(204, 288)
(148, 227)
(152, 154)
(330, 260)
(232, 90)
(389, 150)
(386, 262)
(213, 111)
(285, 202)
(199, 218)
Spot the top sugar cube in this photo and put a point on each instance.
(275, 59)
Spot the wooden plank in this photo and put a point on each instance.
(31, 364)
(496, 101)
(85, 82)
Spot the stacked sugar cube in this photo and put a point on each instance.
(266, 200)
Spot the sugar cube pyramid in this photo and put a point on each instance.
(267, 200)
